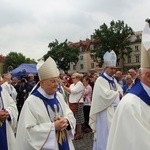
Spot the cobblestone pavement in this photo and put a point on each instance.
(84, 144)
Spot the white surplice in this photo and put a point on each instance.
(130, 129)
(35, 129)
(10, 106)
(104, 101)
(10, 89)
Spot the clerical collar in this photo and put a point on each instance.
(139, 90)
(40, 90)
(146, 88)
(107, 76)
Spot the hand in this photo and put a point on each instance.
(61, 82)
(61, 124)
(3, 115)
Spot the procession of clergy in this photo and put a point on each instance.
(119, 121)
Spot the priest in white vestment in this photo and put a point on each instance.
(46, 122)
(106, 96)
(130, 129)
(8, 120)
(8, 86)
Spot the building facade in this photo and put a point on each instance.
(133, 60)
(88, 64)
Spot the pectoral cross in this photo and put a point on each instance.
(57, 116)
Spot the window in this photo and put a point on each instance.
(81, 66)
(81, 57)
(92, 56)
(74, 67)
(91, 47)
(82, 49)
(129, 59)
(137, 59)
(136, 48)
(92, 65)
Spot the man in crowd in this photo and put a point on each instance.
(130, 129)
(106, 96)
(31, 82)
(134, 75)
(8, 120)
(8, 86)
(46, 122)
(119, 77)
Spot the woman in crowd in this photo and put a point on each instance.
(76, 91)
(87, 103)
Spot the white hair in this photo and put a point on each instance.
(144, 70)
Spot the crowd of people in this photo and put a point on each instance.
(37, 114)
(77, 88)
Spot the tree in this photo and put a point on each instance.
(14, 59)
(63, 54)
(116, 37)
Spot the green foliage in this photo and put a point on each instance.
(63, 54)
(14, 59)
(116, 37)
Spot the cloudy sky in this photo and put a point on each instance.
(28, 26)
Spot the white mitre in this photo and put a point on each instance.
(145, 49)
(110, 59)
(47, 69)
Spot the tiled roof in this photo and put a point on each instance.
(86, 43)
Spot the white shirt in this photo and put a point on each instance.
(76, 92)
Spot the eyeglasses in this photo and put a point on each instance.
(55, 80)
(73, 78)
